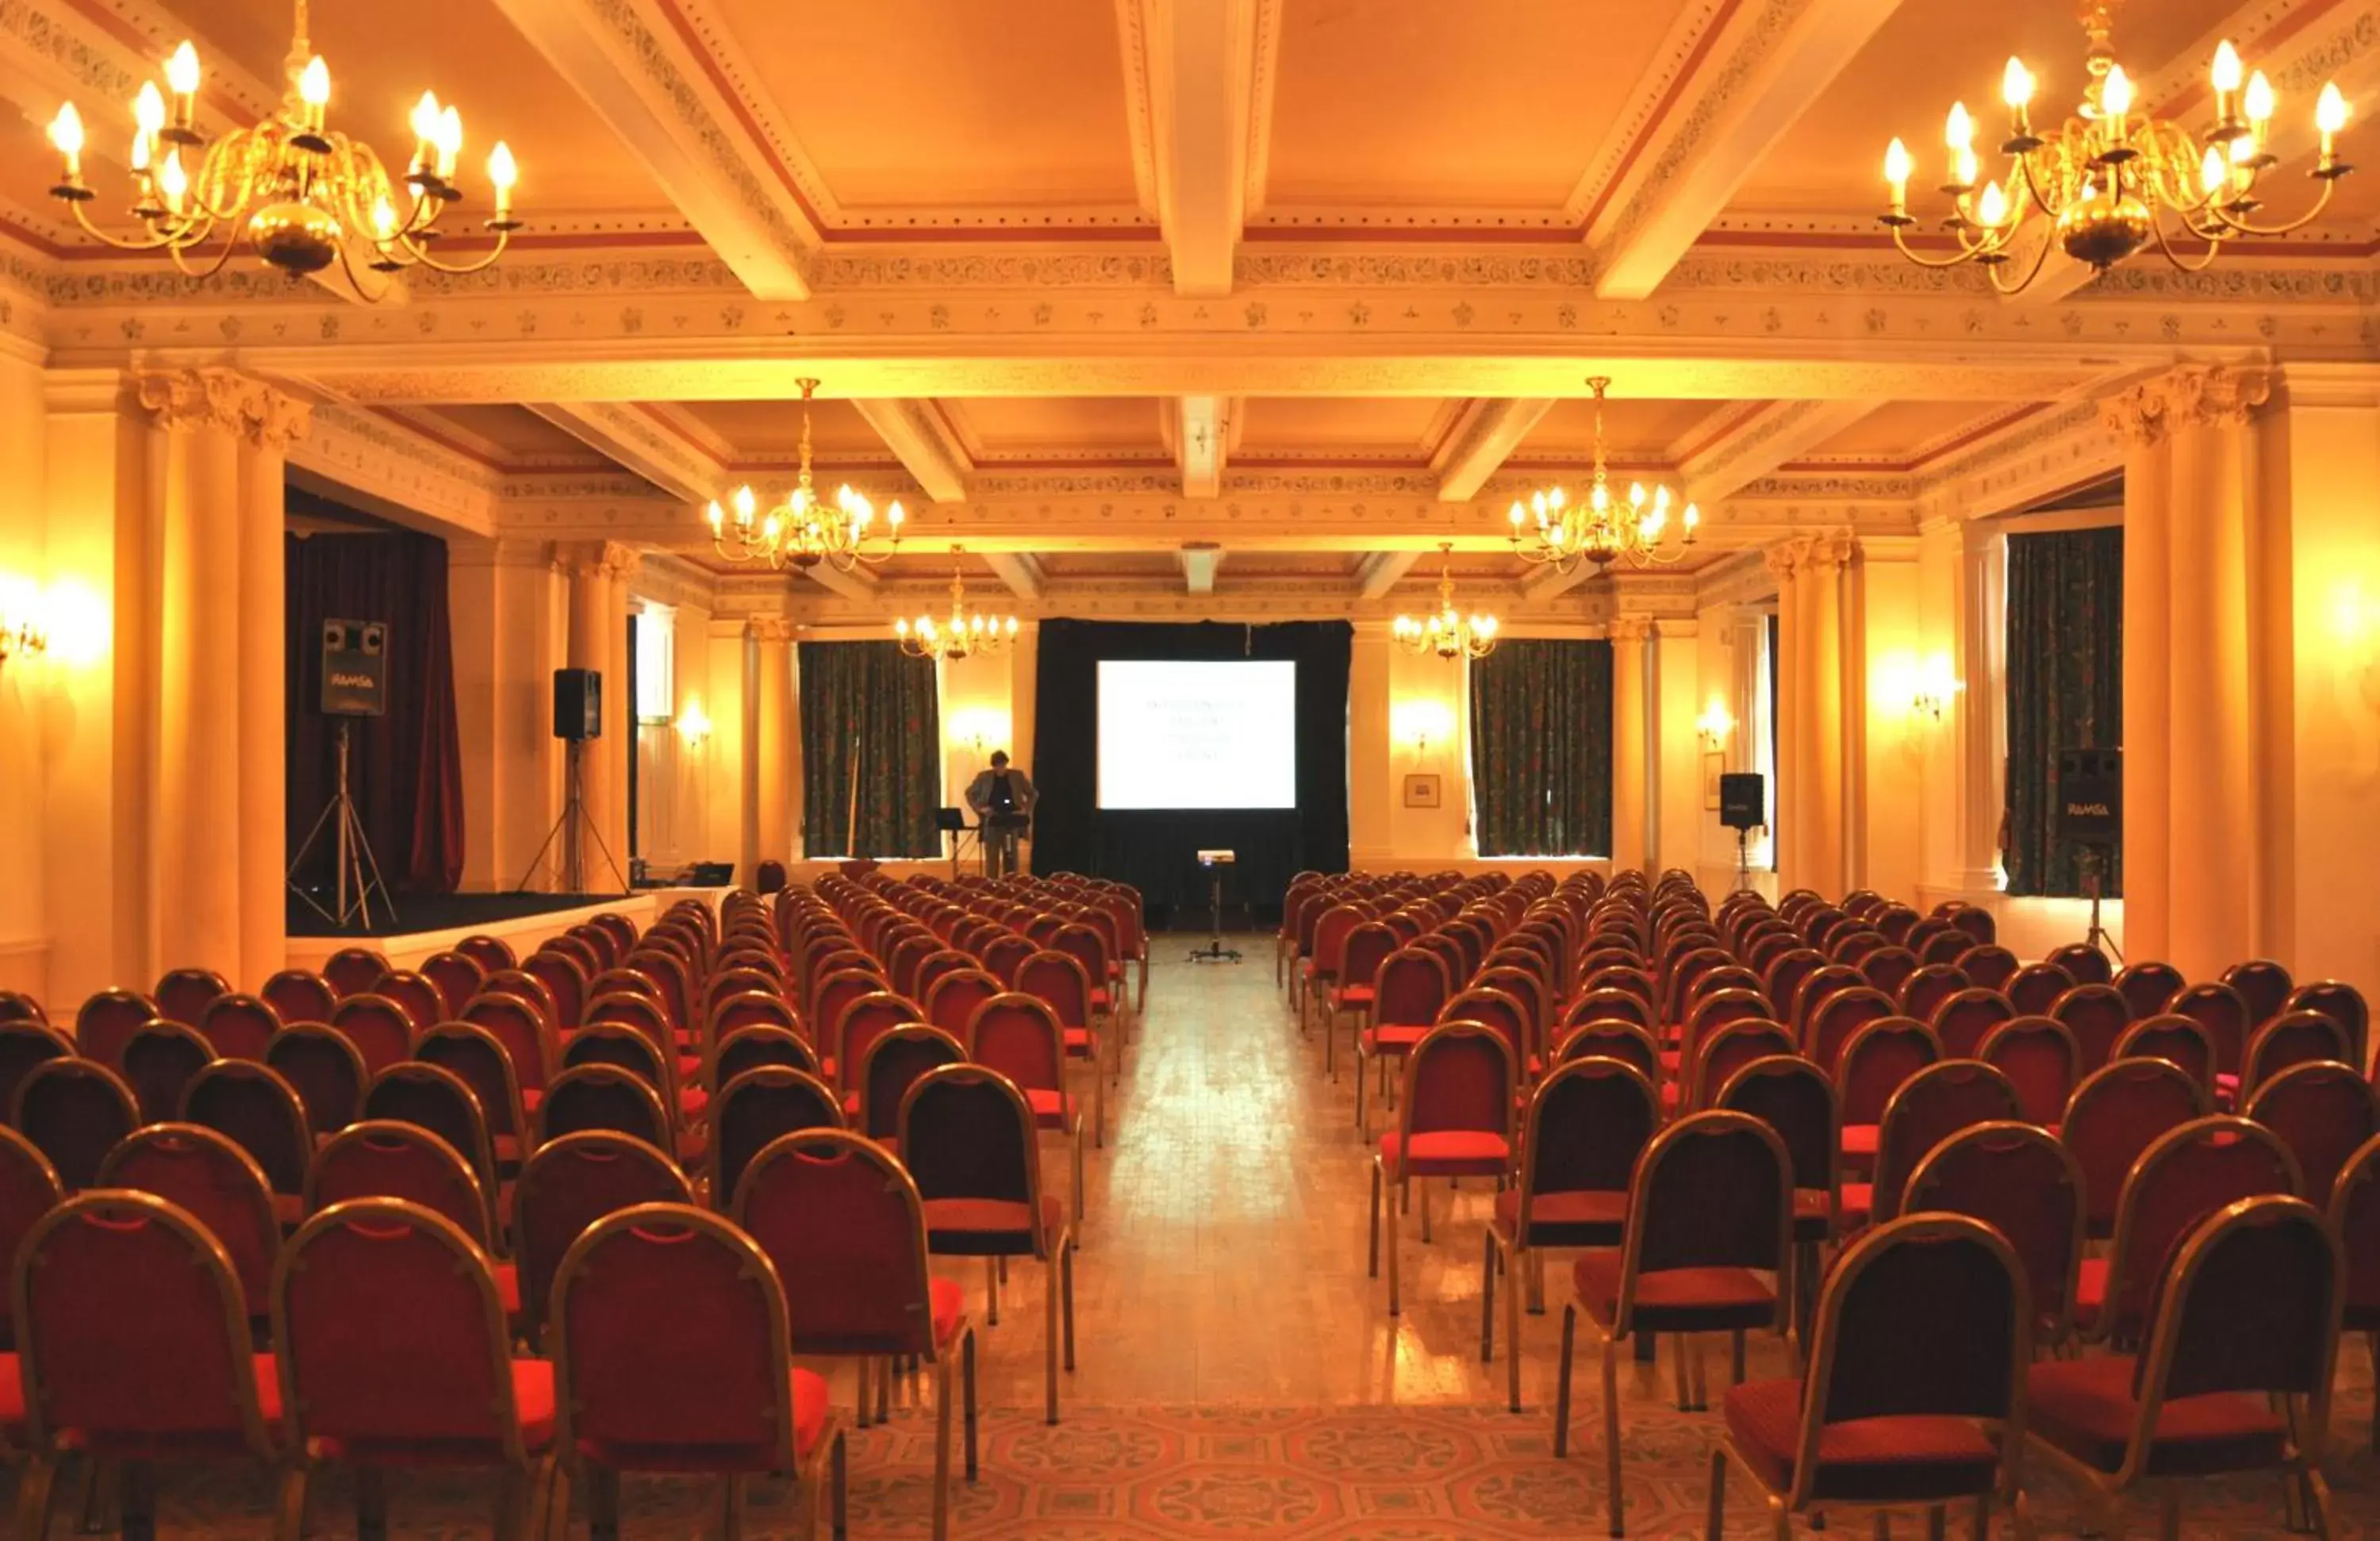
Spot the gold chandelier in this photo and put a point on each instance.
(2109, 181)
(297, 191)
(962, 634)
(1551, 531)
(802, 532)
(1447, 632)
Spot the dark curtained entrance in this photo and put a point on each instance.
(1156, 850)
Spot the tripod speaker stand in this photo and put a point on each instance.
(1215, 951)
(358, 870)
(2094, 864)
(570, 829)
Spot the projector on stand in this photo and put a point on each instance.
(1215, 951)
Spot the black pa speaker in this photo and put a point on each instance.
(1742, 800)
(2091, 795)
(577, 704)
(355, 669)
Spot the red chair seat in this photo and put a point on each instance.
(1675, 1300)
(1448, 1153)
(1670, 1060)
(1100, 999)
(531, 1097)
(532, 1396)
(2090, 1292)
(989, 1227)
(1577, 1217)
(508, 1290)
(1347, 997)
(690, 1069)
(949, 1298)
(810, 1407)
(1859, 1139)
(1080, 1044)
(1052, 1110)
(1812, 1205)
(12, 1399)
(1898, 1459)
(2085, 1408)
(1858, 1206)
(693, 1101)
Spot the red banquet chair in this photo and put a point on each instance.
(353, 970)
(1353, 990)
(2096, 1014)
(396, 1352)
(324, 1070)
(385, 1159)
(2041, 1060)
(1914, 1394)
(382, 1030)
(1711, 1208)
(1931, 1106)
(133, 1345)
(218, 1184)
(1585, 1127)
(968, 1139)
(2355, 1221)
(2117, 1112)
(844, 1225)
(2026, 1186)
(2292, 1038)
(568, 1185)
(2185, 1175)
(708, 1385)
(2324, 1112)
(1409, 991)
(26, 1042)
(1019, 1036)
(2179, 1041)
(239, 1026)
(106, 1020)
(1456, 1121)
(160, 1061)
(74, 1112)
(1964, 1019)
(300, 995)
(759, 1107)
(2247, 1317)
(2146, 985)
(182, 994)
(253, 1107)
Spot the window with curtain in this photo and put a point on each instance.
(871, 751)
(2065, 691)
(1541, 749)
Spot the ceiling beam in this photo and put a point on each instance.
(1739, 100)
(1757, 443)
(628, 60)
(636, 442)
(1020, 571)
(921, 439)
(2338, 46)
(1483, 439)
(858, 584)
(1199, 560)
(1202, 438)
(1199, 102)
(1382, 571)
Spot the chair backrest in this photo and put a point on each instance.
(1713, 1190)
(1610, 1005)
(2118, 1111)
(353, 970)
(1991, 967)
(1962, 1019)
(2084, 964)
(2097, 1015)
(2224, 1012)
(382, 1030)
(2185, 1175)
(1460, 1076)
(182, 994)
(490, 952)
(843, 1223)
(1921, 994)
(2292, 1038)
(750, 1048)
(474, 1057)
(1888, 968)
(159, 1061)
(1628, 1042)
(2324, 1112)
(1586, 1123)
(132, 1335)
(1410, 987)
(565, 976)
(422, 1001)
(1498, 1010)
(2265, 985)
(455, 977)
(1924, 1316)
(2343, 1003)
(1020, 1037)
(604, 1097)
(259, 1111)
(566, 1185)
(392, 1339)
(430, 1096)
(859, 1024)
(300, 995)
(2146, 985)
(1930, 1107)
(2252, 1304)
(1727, 1049)
(2041, 1060)
(386, 1159)
(2022, 1182)
(107, 1019)
(323, 1066)
(1877, 1060)
(1796, 1100)
(528, 1038)
(74, 1112)
(760, 1106)
(239, 1026)
(641, 1014)
(1832, 1017)
(2180, 1040)
(2035, 988)
(28, 1041)
(893, 1062)
(966, 1133)
(218, 1184)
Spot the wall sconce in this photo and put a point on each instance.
(980, 729)
(21, 634)
(1418, 724)
(694, 725)
(1715, 724)
(1938, 687)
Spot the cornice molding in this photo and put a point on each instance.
(224, 400)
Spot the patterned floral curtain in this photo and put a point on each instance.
(2065, 691)
(1541, 749)
(871, 751)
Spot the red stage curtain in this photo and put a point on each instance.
(404, 770)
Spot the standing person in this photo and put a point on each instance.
(1002, 800)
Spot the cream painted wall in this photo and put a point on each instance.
(1897, 735)
(24, 912)
(720, 757)
(1679, 816)
(1429, 733)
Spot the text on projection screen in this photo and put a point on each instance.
(1198, 735)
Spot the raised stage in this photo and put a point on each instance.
(433, 923)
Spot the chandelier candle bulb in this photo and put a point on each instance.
(2016, 89)
(450, 142)
(2226, 75)
(314, 89)
(66, 138)
(1897, 168)
(2330, 116)
(502, 174)
(425, 136)
(182, 80)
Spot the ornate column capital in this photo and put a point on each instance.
(2192, 395)
(225, 399)
(770, 628)
(1632, 628)
(1784, 559)
(608, 559)
(1830, 552)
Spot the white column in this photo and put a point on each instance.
(1630, 739)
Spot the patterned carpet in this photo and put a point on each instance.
(1408, 1473)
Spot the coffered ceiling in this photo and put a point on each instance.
(1313, 283)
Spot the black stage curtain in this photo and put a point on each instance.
(404, 770)
(871, 751)
(1156, 850)
(1541, 749)
(2065, 691)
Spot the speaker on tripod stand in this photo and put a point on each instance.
(2091, 815)
(577, 720)
(354, 684)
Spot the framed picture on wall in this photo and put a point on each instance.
(1714, 761)
(1423, 790)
